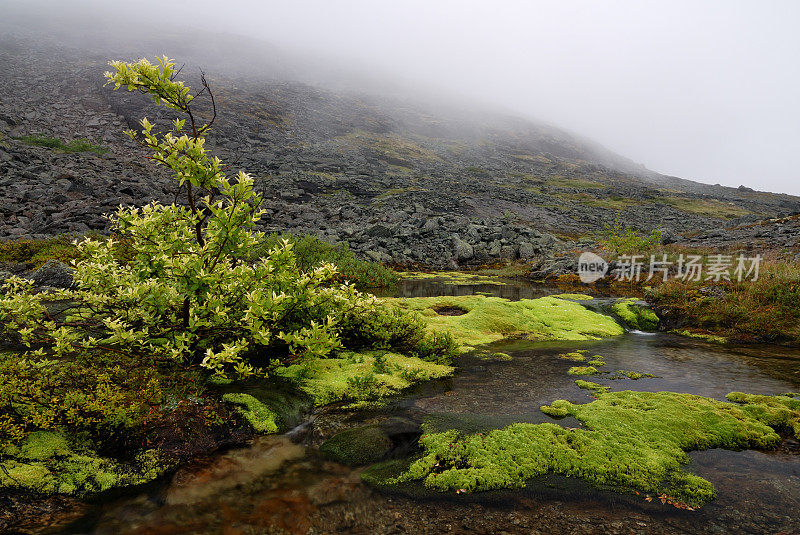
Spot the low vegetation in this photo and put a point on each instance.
(766, 310)
(76, 145)
(489, 319)
(633, 441)
(108, 383)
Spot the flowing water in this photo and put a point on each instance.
(280, 484)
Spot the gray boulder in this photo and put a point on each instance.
(53, 274)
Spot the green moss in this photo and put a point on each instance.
(589, 385)
(701, 336)
(261, 417)
(362, 445)
(460, 278)
(596, 362)
(575, 356)
(497, 356)
(635, 316)
(575, 297)
(633, 441)
(354, 376)
(489, 319)
(780, 412)
(47, 462)
(633, 375)
(583, 370)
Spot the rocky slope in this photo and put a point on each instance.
(401, 180)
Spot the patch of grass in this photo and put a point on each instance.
(38, 252)
(633, 442)
(596, 362)
(76, 145)
(705, 207)
(558, 181)
(398, 149)
(489, 319)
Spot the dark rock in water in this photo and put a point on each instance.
(53, 274)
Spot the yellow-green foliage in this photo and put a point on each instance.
(635, 316)
(261, 417)
(365, 376)
(582, 370)
(634, 441)
(46, 462)
(596, 362)
(489, 319)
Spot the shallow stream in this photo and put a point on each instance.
(283, 485)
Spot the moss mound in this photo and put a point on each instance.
(583, 370)
(256, 413)
(48, 462)
(489, 319)
(361, 377)
(362, 445)
(635, 316)
(635, 441)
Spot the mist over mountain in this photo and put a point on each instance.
(404, 174)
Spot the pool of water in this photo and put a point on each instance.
(280, 484)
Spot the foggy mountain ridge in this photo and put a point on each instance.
(400, 175)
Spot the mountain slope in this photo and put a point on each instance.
(402, 179)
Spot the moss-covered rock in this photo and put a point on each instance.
(633, 441)
(361, 377)
(371, 443)
(635, 315)
(260, 416)
(489, 319)
(362, 445)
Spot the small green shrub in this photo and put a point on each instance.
(311, 251)
(619, 240)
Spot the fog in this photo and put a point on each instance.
(702, 90)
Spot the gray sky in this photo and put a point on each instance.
(705, 90)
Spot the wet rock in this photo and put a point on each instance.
(53, 274)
